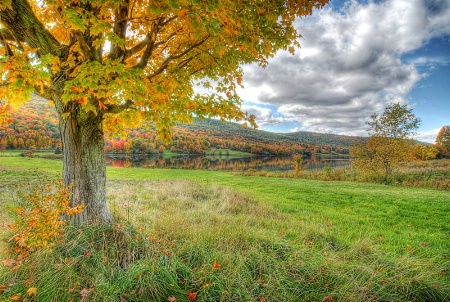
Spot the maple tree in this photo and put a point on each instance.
(109, 63)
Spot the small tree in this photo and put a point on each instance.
(388, 144)
(298, 164)
(443, 138)
(380, 155)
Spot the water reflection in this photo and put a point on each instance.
(221, 163)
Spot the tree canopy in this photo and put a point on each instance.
(140, 60)
(397, 121)
(443, 137)
(106, 63)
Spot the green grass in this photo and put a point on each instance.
(275, 238)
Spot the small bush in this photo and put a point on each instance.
(28, 153)
(39, 221)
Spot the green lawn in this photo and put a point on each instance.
(277, 239)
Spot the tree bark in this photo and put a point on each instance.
(84, 167)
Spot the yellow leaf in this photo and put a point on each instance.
(32, 291)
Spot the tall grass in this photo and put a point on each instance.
(173, 237)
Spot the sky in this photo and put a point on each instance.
(356, 57)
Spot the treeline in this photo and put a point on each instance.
(35, 126)
(31, 126)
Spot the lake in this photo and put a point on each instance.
(223, 163)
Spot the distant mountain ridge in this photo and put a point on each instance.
(300, 137)
(35, 126)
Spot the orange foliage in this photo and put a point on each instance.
(39, 223)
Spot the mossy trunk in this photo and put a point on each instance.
(84, 163)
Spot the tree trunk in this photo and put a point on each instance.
(84, 163)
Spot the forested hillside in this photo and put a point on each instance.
(35, 126)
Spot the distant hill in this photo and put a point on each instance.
(35, 126)
(308, 140)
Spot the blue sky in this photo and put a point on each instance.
(356, 58)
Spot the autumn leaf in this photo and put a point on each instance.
(75, 89)
(192, 296)
(8, 262)
(8, 65)
(216, 265)
(102, 106)
(15, 297)
(183, 12)
(10, 121)
(84, 292)
(32, 291)
(84, 100)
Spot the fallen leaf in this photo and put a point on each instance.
(32, 291)
(328, 299)
(84, 292)
(171, 299)
(216, 265)
(9, 262)
(15, 297)
(192, 296)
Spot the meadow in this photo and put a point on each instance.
(184, 235)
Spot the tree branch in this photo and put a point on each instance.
(120, 29)
(21, 22)
(166, 63)
(138, 47)
(5, 35)
(83, 44)
(119, 108)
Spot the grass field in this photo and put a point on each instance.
(227, 237)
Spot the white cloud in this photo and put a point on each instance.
(264, 116)
(427, 136)
(349, 65)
